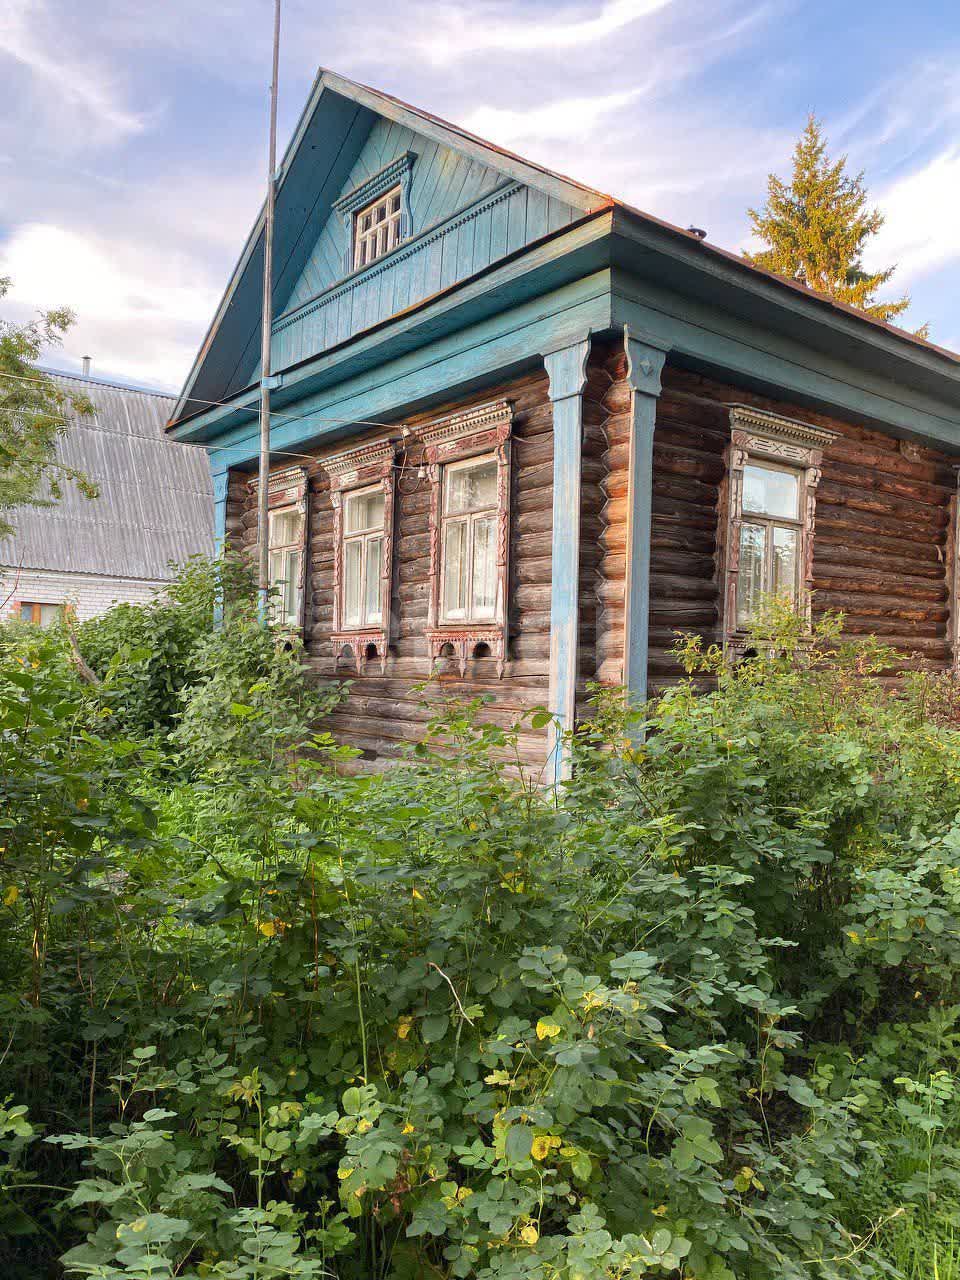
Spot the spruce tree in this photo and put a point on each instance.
(817, 226)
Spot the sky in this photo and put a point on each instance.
(133, 132)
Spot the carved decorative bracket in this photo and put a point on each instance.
(483, 429)
(360, 468)
(757, 433)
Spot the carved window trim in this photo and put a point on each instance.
(398, 173)
(486, 429)
(288, 489)
(756, 434)
(363, 467)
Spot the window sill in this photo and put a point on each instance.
(366, 645)
(463, 641)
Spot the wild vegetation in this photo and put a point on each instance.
(695, 1017)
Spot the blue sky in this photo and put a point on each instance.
(133, 132)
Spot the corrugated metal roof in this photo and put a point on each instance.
(155, 499)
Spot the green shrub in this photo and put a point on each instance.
(694, 1017)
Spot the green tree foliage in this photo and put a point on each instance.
(817, 226)
(33, 412)
(698, 1017)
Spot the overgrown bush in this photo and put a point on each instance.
(696, 1017)
(146, 655)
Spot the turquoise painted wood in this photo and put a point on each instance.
(464, 217)
(385, 391)
(567, 372)
(644, 366)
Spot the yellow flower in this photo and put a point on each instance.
(418, 896)
(267, 928)
(11, 895)
(404, 1027)
(407, 1128)
(660, 1210)
(540, 1149)
(529, 1234)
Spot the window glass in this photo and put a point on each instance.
(286, 527)
(352, 570)
(472, 488)
(769, 492)
(454, 595)
(373, 613)
(753, 545)
(364, 511)
(484, 587)
(783, 576)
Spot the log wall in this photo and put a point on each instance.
(880, 550)
(881, 538)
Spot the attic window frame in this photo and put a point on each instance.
(358, 200)
(391, 222)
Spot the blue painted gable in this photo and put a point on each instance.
(469, 206)
(463, 216)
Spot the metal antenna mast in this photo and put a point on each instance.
(266, 380)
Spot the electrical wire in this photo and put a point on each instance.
(283, 417)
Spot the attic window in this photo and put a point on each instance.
(376, 214)
(376, 229)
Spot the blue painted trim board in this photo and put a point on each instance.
(567, 372)
(644, 366)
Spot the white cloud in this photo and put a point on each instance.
(80, 94)
(920, 232)
(140, 314)
(496, 27)
(561, 119)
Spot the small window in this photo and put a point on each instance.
(286, 564)
(363, 524)
(376, 229)
(41, 615)
(770, 536)
(468, 569)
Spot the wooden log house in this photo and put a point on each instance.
(524, 433)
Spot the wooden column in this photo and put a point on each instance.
(567, 372)
(644, 365)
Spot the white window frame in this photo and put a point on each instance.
(283, 549)
(381, 236)
(775, 443)
(375, 533)
(469, 615)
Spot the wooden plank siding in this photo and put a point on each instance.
(880, 549)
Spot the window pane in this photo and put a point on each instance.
(784, 563)
(49, 614)
(352, 552)
(454, 598)
(285, 527)
(472, 488)
(372, 613)
(484, 586)
(769, 492)
(291, 588)
(753, 539)
(364, 511)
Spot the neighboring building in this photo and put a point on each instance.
(524, 433)
(154, 506)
